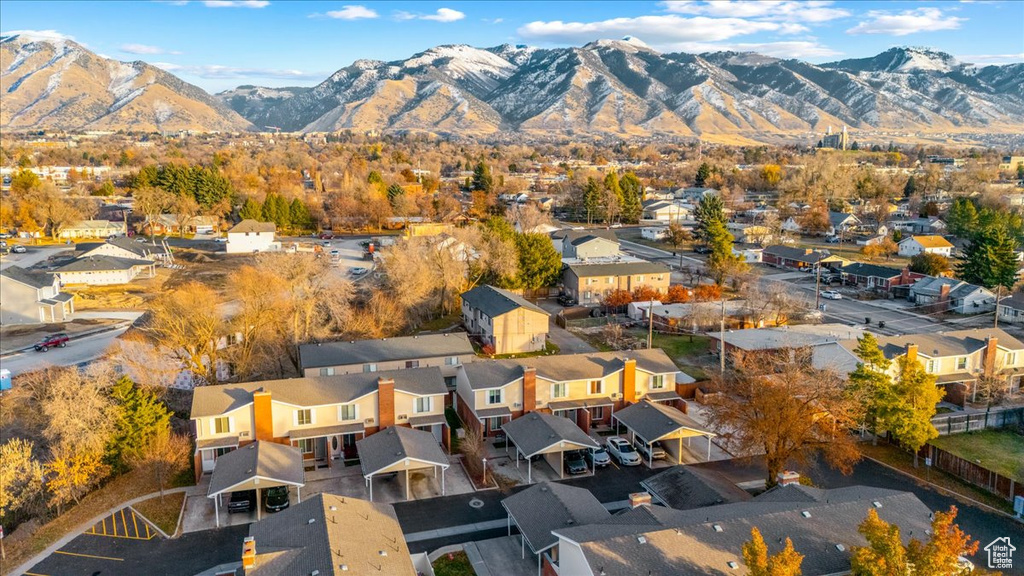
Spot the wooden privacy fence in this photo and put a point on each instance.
(959, 423)
(975, 473)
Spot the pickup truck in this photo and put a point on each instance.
(59, 340)
(655, 453)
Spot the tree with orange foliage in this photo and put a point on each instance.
(646, 293)
(707, 292)
(785, 563)
(885, 554)
(617, 298)
(677, 293)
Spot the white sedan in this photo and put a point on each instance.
(831, 295)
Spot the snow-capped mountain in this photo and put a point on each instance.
(58, 84)
(623, 87)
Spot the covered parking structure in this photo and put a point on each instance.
(256, 466)
(547, 435)
(548, 506)
(400, 449)
(650, 422)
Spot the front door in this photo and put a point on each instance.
(320, 449)
(336, 447)
(348, 445)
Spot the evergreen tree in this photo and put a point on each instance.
(269, 211)
(482, 179)
(139, 417)
(990, 260)
(591, 198)
(703, 173)
(539, 263)
(870, 383)
(910, 187)
(250, 210)
(962, 217)
(710, 211)
(300, 217)
(632, 198)
(282, 213)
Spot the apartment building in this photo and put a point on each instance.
(505, 322)
(590, 281)
(586, 388)
(322, 416)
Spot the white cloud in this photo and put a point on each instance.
(906, 22)
(214, 71)
(145, 49)
(789, 10)
(236, 3)
(985, 59)
(442, 15)
(655, 30)
(353, 12)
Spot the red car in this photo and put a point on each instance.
(52, 341)
(326, 235)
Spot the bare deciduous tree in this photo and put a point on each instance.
(165, 455)
(189, 323)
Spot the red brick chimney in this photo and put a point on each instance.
(629, 381)
(248, 553)
(911, 352)
(990, 356)
(787, 477)
(262, 416)
(944, 293)
(529, 389)
(385, 402)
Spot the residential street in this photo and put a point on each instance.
(78, 351)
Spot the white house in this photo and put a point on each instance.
(915, 245)
(653, 233)
(250, 236)
(665, 211)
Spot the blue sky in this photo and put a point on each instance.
(220, 44)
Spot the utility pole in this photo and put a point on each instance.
(995, 321)
(650, 323)
(721, 341)
(817, 288)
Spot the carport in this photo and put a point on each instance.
(650, 422)
(539, 433)
(254, 467)
(397, 449)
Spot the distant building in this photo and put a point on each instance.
(1011, 162)
(838, 141)
(925, 244)
(250, 236)
(93, 229)
(32, 298)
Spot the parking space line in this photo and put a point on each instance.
(33, 574)
(89, 556)
(122, 530)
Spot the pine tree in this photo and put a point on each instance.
(591, 198)
(870, 383)
(300, 217)
(632, 198)
(703, 173)
(962, 217)
(990, 260)
(709, 211)
(139, 417)
(251, 210)
(910, 417)
(910, 187)
(539, 263)
(482, 179)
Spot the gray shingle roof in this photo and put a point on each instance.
(573, 235)
(122, 242)
(344, 353)
(548, 506)
(537, 431)
(958, 342)
(325, 532)
(22, 276)
(686, 487)
(275, 464)
(652, 421)
(315, 390)
(798, 254)
(870, 270)
(618, 269)
(685, 542)
(562, 367)
(102, 263)
(393, 445)
(494, 301)
(252, 226)
(492, 374)
(798, 336)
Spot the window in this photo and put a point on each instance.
(449, 381)
(494, 396)
(327, 371)
(495, 423)
(640, 278)
(931, 367)
(1011, 358)
(451, 361)
(657, 382)
(596, 386)
(369, 367)
(412, 363)
(422, 405)
(961, 363)
(559, 390)
(306, 445)
(597, 413)
(610, 280)
(303, 417)
(348, 412)
(222, 425)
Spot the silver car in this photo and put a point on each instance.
(620, 449)
(597, 457)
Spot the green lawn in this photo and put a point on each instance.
(454, 564)
(1001, 451)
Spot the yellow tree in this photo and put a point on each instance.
(71, 472)
(784, 563)
(884, 555)
(946, 544)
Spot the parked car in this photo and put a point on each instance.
(566, 300)
(358, 271)
(831, 294)
(4, 236)
(574, 462)
(832, 239)
(620, 449)
(59, 340)
(19, 249)
(326, 235)
(244, 501)
(220, 239)
(597, 457)
(656, 452)
(702, 249)
(275, 499)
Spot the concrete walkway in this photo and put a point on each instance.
(85, 526)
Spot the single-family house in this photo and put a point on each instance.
(665, 211)
(165, 224)
(1011, 308)
(915, 245)
(563, 239)
(694, 194)
(322, 416)
(781, 256)
(102, 270)
(506, 322)
(928, 226)
(700, 316)
(589, 282)
(749, 254)
(841, 223)
(587, 247)
(93, 229)
(752, 233)
(28, 297)
(879, 278)
(952, 295)
(801, 343)
(654, 233)
(249, 236)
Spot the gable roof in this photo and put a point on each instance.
(932, 286)
(102, 263)
(548, 506)
(494, 301)
(396, 443)
(314, 390)
(28, 278)
(940, 344)
(344, 353)
(687, 487)
(563, 367)
(799, 254)
(331, 535)
(249, 225)
(929, 241)
(870, 270)
(584, 270)
(274, 463)
(796, 336)
(840, 218)
(570, 235)
(653, 421)
(537, 431)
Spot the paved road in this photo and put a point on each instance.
(79, 350)
(35, 255)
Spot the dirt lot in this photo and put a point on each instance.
(17, 337)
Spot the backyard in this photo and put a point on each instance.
(1001, 451)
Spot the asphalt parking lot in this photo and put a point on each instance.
(124, 549)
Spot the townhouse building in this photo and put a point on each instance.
(590, 281)
(505, 322)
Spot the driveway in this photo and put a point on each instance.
(566, 341)
(35, 255)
